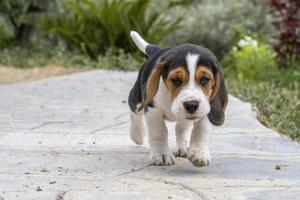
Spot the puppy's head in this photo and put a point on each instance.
(194, 80)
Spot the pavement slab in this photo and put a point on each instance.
(66, 138)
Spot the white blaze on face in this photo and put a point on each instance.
(192, 91)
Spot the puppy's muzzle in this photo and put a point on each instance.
(191, 106)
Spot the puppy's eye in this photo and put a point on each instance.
(204, 80)
(176, 81)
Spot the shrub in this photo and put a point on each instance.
(94, 26)
(252, 74)
(5, 37)
(287, 21)
(122, 61)
(59, 56)
(213, 23)
(16, 14)
(250, 60)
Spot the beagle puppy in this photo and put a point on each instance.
(182, 84)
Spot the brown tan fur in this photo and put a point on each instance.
(181, 73)
(209, 88)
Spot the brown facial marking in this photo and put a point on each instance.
(179, 73)
(205, 72)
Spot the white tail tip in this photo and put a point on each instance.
(139, 41)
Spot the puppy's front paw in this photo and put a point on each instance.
(180, 152)
(199, 157)
(163, 159)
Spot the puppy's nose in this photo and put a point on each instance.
(191, 106)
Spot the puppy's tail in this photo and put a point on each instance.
(145, 47)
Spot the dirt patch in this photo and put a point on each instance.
(13, 75)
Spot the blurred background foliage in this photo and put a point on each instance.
(215, 23)
(257, 42)
(95, 26)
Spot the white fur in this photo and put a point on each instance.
(166, 109)
(160, 153)
(139, 41)
(191, 91)
(198, 152)
(163, 101)
(183, 130)
(137, 127)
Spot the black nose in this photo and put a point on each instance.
(191, 106)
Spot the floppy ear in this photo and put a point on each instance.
(218, 99)
(154, 78)
(152, 85)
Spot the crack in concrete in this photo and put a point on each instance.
(107, 127)
(54, 122)
(41, 125)
(120, 116)
(134, 170)
(201, 195)
(198, 193)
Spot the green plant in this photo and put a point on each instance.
(39, 56)
(250, 60)
(252, 74)
(94, 26)
(5, 36)
(122, 61)
(213, 23)
(17, 17)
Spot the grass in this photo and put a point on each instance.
(277, 105)
(38, 56)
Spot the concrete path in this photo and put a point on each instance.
(67, 138)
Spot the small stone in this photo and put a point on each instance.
(169, 197)
(278, 167)
(52, 182)
(38, 189)
(44, 170)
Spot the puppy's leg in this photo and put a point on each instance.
(137, 127)
(182, 129)
(158, 138)
(198, 152)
